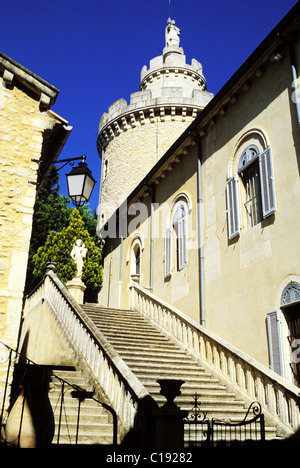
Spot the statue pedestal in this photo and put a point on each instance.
(77, 288)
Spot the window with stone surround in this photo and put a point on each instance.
(176, 238)
(251, 191)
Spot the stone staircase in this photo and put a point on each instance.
(83, 422)
(151, 355)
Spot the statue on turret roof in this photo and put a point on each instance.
(172, 34)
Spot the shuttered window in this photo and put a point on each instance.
(256, 172)
(182, 243)
(168, 252)
(274, 338)
(232, 208)
(267, 183)
(179, 223)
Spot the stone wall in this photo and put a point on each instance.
(133, 137)
(130, 156)
(25, 131)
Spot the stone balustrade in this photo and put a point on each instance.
(102, 363)
(279, 398)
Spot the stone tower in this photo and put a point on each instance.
(133, 137)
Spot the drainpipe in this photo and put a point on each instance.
(151, 247)
(120, 272)
(200, 236)
(295, 97)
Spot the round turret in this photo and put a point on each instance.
(132, 137)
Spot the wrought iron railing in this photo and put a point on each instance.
(202, 431)
(32, 383)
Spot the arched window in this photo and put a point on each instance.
(255, 172)
(284, 335)
(135, 253)
(248, 170)
(177, 232)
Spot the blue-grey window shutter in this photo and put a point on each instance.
(182, 243)
(267, 183)
(232, 208)
(168, 251)
(274, 339)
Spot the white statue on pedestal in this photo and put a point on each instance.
(78, 254)
(172, 34)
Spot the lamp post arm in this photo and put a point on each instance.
(69, 161)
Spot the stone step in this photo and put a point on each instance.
(94, 425)
(86, 408)
(131, 342)
(86, 428)
(118, 320)
(149, 347)
(152, 355)
(137, 337)
(184, 401)
(159, 365)
(167, 373)
(192, 387)
(152, 352)
(67, 437)
(171, 362)
(139, 332)
(210, 394)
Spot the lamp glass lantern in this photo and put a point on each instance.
(80, 184)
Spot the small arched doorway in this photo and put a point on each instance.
(290, 306)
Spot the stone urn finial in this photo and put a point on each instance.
(170, 389)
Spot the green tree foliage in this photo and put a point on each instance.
(52, 213)
(57, 248)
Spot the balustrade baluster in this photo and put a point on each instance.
(249, 383)
(233, 365)
(282, 406)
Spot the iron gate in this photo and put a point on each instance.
(201, 431)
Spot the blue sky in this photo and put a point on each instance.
(93, 50)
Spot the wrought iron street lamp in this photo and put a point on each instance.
(79, 180)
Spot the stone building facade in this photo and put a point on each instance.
(212, 229)
(133, 137)
(31, 138)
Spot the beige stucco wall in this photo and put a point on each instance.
(53, 351)
(181, 288)
(130, 156)
(243, 276)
